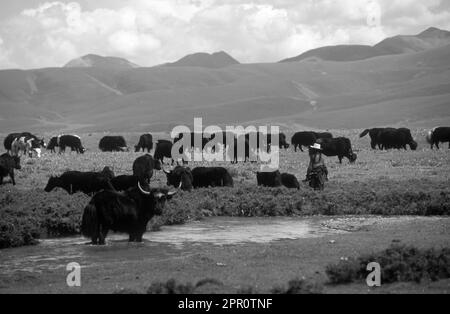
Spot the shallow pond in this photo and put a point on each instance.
(171, 241)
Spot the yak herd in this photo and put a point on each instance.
(126, 203)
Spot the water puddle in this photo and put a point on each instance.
(223, 231)
(54, 254)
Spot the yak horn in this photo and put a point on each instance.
(181, 183)
(142, 190)
(172, 193)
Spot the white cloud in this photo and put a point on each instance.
(5, 57)
(150, 32)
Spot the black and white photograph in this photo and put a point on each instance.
(235, 148)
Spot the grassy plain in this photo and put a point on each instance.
(379, 183)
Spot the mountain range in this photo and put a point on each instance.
(403, 80)
(428, 39)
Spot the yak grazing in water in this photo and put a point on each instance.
(127, 212)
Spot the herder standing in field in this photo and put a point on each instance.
(317, 172)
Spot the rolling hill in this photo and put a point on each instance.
(215, 60)
(410, 89)
(95, 61)
(428, 39)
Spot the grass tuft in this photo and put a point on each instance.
(399, 263)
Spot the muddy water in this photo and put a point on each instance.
(170, 242)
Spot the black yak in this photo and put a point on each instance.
(143, 168)
(86, 182)
(181, 177)
(145, 143)
(301, 139)
(439, 135)
(128, 212)
(211, 177)
(71, 141)
(308, 138)
(391, 138)
(52, 144)
(269, 179)
(7, 165)
(290, 181)
(113, 144)
(373, 134)
(340, 147)
(282, 141)
(163, 150)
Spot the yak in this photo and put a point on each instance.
(9, 139)
(143, 168)
(308, 138)
(282, 141)
(290, 181)
(113, 144)
(439, 135)
(37, 143)
(86, 182)
(301, 139)
(128, 212)
(7, 165)
(164, 150)
(145, 143)
(204, 177)
(21, 144)
(373, 134)
(181, 177)
(269, 179)
(72, 141)
(391, 138)
(52, 144)
(340, 147)
(26, 143)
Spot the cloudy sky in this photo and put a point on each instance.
(35, 33)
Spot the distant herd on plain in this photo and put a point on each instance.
(126, 203)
